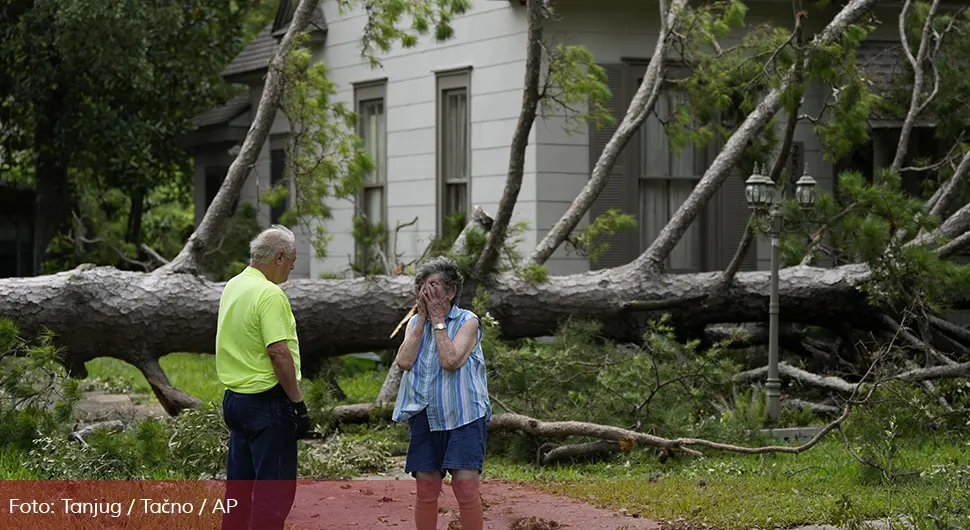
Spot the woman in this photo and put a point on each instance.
(444, 396)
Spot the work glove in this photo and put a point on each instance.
(302, 420)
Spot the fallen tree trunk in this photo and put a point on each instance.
(136, 317)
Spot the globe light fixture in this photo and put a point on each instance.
(759, 190)
(805, 190)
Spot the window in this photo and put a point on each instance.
(667, 178)
(454, 147)
(372, 129)
(277, 162)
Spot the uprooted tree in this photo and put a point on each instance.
(890, 250)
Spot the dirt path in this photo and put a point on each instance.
(376, 504)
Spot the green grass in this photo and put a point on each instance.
(12, 465)
(735, 492)
(195, 374)
(190, 372)
(361, 387)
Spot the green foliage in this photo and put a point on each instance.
(198, 440)
(862, 220)
(607, 224)
(510, 258)
(325, 157)
(102, 231)
(576, 86)
(35, 399)
(109, 112)
(369, 238)
(37, 411)
(848, 125)
(384, 17)
(664, 387)
(723, 88)
(535, 273)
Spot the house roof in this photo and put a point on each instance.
(883, 62)
(224, 113)
(256, 56)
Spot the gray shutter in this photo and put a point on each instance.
(727, 220)
(617, 192)
(732, 218)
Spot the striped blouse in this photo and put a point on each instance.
(452, 398)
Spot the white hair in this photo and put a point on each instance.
(264, 247)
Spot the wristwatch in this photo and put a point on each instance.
(439, 325)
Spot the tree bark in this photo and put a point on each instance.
(640, 107)
(520, 141)
(53, 200)
(915, 107)
(951, 188)
(138, 318)
(190, 257)
(135, 215)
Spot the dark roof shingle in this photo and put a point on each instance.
(883, 63)
(225, 112)
(255, 56)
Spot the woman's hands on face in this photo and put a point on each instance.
(435, 302)
(419, 300)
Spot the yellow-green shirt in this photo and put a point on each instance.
(253, 313)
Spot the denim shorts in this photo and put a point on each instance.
(442, 451)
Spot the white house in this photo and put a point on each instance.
(440, 118)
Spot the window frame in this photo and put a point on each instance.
(366, 93)
(636, 174)
(447, 80)
(278, 143)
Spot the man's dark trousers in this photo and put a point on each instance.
(262, 466)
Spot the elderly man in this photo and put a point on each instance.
(258, 359)
(444, 396)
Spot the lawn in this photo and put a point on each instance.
(823, 485)
(196, 374)
(721, 491)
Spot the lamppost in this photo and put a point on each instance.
(763, 197)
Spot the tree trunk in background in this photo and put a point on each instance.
(53, 200)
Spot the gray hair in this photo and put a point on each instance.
(447, 269)
(270, 241)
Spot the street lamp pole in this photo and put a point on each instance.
(773, 385)
(762, 194)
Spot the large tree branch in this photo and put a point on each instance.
(915, 107)
(625, 438)
(188, 259)
(951, 189)
(657, 253)
(520, 141)
(641, 105)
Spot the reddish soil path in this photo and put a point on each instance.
(379, 504)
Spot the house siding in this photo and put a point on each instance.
(617, 32)
(491, 41)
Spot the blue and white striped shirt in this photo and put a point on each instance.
(452, 398)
